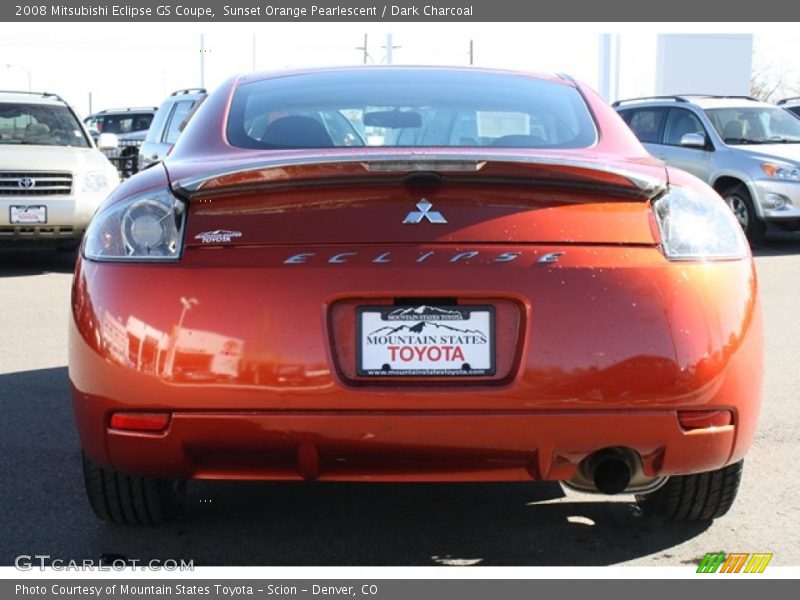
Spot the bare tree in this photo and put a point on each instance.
(766, 85)
(770, 83)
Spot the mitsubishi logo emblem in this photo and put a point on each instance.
(424, 212)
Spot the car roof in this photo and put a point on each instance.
(121, 111)
(31, 97)
(253, 77)
(701, 101)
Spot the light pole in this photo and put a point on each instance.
(28, 73)
(187, 303)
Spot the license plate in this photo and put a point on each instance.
(425, 341)
(27, 215)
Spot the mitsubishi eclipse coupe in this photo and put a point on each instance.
(414, 274)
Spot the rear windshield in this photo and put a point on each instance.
(122, 123)
(409, 108)
(39, 125)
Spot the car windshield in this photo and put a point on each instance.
(755, 125)
(394, 107)
(39, 125)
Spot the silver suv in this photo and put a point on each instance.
(52, 176)
(168, 122)
(749, 151)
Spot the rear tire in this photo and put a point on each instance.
(738, 198)
(697, 497)
(130, 499)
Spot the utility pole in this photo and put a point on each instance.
(364, 48)
(90, 102)
(389, 48)
(617, 47)
(471, 53)
(202, 60)
(605, 65)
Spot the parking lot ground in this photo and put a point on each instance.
(45, 512)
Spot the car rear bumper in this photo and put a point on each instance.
(600, 349)
(409, 446)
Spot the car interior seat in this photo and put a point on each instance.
(296, 132)
(734, 130)
(681, 127)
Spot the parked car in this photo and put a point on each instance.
(169, 121)
(130, 126)
(52, 176)
(120, 121)
(791, 104)
(748, 151)
(507, 288)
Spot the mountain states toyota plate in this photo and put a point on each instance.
(425, 341)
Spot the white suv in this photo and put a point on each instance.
(52, 176)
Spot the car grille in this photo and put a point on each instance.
(35, 183)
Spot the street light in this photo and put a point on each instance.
(28, 73)
(187, 304)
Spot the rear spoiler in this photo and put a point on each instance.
(327, 168)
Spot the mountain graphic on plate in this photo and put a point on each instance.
(422, 310)
(422, 325)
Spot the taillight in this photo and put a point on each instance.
(135, 421)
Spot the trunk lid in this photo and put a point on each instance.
(425, 198)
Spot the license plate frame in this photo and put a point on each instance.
(15, 211)
(471, 328)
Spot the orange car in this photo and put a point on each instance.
(414, 274)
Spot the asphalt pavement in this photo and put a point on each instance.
(44, 510)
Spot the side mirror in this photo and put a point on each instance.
(107, 141)
(693, 140)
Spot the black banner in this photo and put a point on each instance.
(390, 589)
(397, 11)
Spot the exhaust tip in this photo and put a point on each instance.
(612, 475)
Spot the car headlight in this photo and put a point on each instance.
(695, 227)
(145, 227)
(97, 181)
(781, 171)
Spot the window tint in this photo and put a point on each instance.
(646, 124)
(680, 122)
(409, 107)
(179, 113)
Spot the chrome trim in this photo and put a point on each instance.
(645, 487)
(443, 162)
